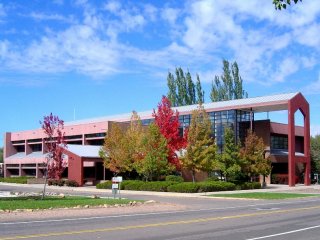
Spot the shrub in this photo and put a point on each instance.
(212, 179)
(104, 185)
(174, 178)
(20, 180)
(214, 186)
(250, 185)
(185, 187)
(71, 183)
(133, 185)
(56, 182)
(156, 186)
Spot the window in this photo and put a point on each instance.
(36, 147)
(279, 142)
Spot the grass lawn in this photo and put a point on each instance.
(12, 203)
(264, 195)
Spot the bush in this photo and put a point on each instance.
(185, 187)
(104, 185)
(174, 178)
(56, 182)
(20, 180)
(214, 186)
(156, 186)
(212, 179)
(133, 185)
(249, 185)
(71, 183)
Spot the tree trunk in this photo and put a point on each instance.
(193, 176)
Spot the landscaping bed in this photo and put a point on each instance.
(60, 201)
(178, 186)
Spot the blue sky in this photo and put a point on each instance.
(108, 57)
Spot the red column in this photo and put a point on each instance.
(291, 146)
(307, 180)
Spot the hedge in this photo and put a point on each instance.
(104, 185)
(249, 185)
(185, 187)
(174, 178)
(156, 186)
(20, 180)
(215, 186)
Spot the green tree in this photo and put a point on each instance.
(1, 155)
(253, 156)
(154, 161)
(230, 160)
(201, 152)
(182, 90)
(282, 4)
(229, 85)
(172, 87)
(315, 154)
(200, 92)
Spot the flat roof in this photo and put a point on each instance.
(256, 104)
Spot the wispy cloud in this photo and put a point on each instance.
(198, 34)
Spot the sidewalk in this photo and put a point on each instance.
(93, 190)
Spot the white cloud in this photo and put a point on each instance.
(313, 87)
(54, 17)
(170, 14)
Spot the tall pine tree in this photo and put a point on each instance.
(229, 85)
(182, 90)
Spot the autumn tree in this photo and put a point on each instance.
(116, 151)
(154, 161)
(168, 122)
(54, 142)
(253, 156)
(182, 90)
(201, 151)
(282, 4)
(229, 159)
(229, 85)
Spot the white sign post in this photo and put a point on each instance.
(116, 186)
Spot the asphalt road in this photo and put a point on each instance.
(202, 219)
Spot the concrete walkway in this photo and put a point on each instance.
(93, 190)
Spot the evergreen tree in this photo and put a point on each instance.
(182, 90)
(190, 97)
(230, 160)
(200, 92)
(229, 85)
(172, 86)
(154, 162)
(201, 152)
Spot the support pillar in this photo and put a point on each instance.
(306, 139)
(291, 146)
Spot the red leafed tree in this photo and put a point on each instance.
(55, 142)
(168, 122)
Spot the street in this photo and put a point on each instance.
(222, 219)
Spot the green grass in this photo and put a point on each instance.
(12, 203)
(21, 180)
(265, 195)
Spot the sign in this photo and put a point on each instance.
(117, 179)
(115, 185)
